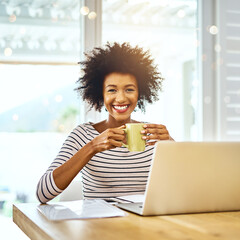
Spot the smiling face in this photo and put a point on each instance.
(120, 94)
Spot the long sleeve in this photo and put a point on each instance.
(46, 188)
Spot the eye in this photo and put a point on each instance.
(111, 90)
(130, 90)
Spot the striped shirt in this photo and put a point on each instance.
(108, 174)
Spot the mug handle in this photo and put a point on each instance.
(125, 145)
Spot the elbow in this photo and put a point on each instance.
(40, 197)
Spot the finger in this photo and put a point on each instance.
(118, 130)
(151, 125)
(115, 136)
(156, 136)
(151, 143)
(121, 127)
(115, 143)
(155, 131)
(164, 137)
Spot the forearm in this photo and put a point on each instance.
(64, 174)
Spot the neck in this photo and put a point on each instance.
(113, 123)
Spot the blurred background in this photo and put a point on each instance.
(195, 43)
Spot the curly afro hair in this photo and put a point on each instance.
(120, 58)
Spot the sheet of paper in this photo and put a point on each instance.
(81, 209)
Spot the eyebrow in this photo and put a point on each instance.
(111, 85)
(128, 85)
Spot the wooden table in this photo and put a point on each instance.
(212, 226)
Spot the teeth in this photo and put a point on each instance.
(120, 107)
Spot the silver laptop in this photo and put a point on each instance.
(191, 177)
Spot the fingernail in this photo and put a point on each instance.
(144, 125)
(143, 131)
(144, 137)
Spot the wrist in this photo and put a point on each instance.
(92, 148)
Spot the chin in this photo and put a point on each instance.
(121, 118)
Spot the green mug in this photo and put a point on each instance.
(135, 143)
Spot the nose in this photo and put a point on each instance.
(120, 98)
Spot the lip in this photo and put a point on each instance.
(121, 108)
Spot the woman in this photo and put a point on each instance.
(120, 78)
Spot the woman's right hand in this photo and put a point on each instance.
(110, 138)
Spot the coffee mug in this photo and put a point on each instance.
(135, 143)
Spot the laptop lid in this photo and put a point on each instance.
(191, 177)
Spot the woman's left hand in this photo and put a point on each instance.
(155, 132)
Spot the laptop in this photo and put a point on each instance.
(191, 177)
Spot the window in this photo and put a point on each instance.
(169, 29)
(229, 74)
(220, 68)
(40, 45)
